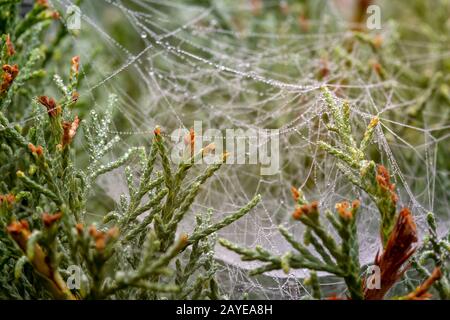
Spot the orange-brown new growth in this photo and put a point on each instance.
(9, 46)
(189, 140)
(183, 241)
(18, 226)
(8, 199)
(297, 214)
(79, 227)
(20, 232)
(398, 250)
(306, 209)
(101, 238)
(377, 41)
(69, 131)
(384, 181)
(39, 151)
(75, 65)
(377, 67)
(42, 3)
(50, 219)
(314, 206)
(53, 109)
(295, 193)
(9, 75)
(344, 210)
(421, 292)
(55, 15)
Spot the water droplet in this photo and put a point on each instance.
(143, 35)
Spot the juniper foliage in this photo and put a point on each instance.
(320, 252)
(48, 248)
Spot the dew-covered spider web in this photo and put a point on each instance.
(260, 65)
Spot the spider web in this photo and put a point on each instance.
(174, 62)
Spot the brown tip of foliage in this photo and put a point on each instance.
(398, 250)
(310, 209)
(9, 46)
(183, 241)
(70, 130)
(13, 70)
(53, 110)
(55, 15)
(189, 140)
(295, 193)
(39, 151)
(296, 215)
(18, 226)
(75, 65)
(184, 238)
(378, 41)
(157, 131)
(421, 292)
(8, 199)
(344, 210)
(384, 181)
(377, 67)
(79, 227)
(101, 238)
(9, 74)
(42, 3)
(20, 232)
(50, 219)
